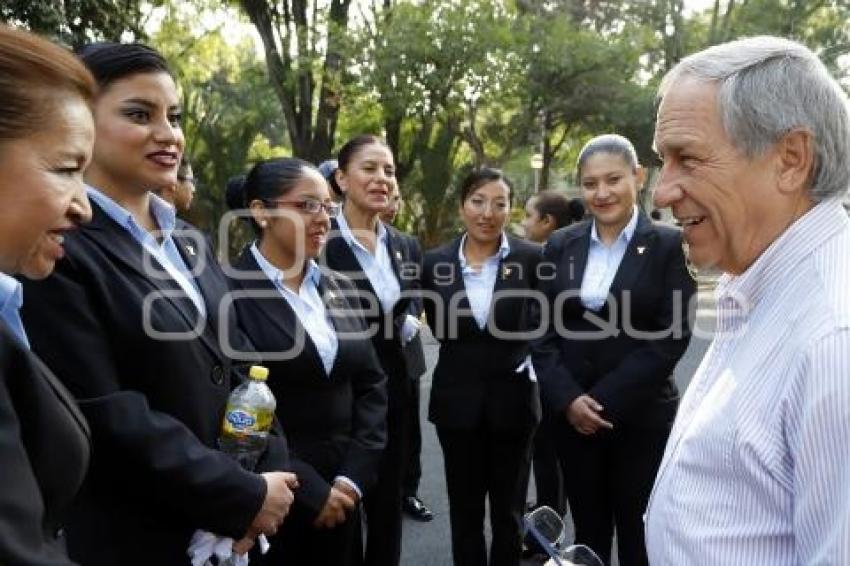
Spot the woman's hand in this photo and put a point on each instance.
(583, 414)
(334, 510)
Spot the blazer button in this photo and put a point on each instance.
(217, 375)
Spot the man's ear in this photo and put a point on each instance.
(795, 158)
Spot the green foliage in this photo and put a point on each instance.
(231, 116)
(77, 22)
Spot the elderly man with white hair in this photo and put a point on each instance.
(755, 140)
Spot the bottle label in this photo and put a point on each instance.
(241, 421)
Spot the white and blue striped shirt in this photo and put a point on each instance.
(757, 467)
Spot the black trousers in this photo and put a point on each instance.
(413, 467)
(486, 464)
(298, 543)
(382, 503)
(548, 477)
(608, 477)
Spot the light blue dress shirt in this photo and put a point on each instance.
(165, 253)
(307, 305)
(378, 268)
(602, 264)
(11, 299)
(311, 312)
(479, 283)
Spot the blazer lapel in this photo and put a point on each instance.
(507, 277)
(276, 309)
(574, 257)
(641, 246)
(120, 244)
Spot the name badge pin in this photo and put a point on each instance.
(641, 249)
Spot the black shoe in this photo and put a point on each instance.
(415, 509)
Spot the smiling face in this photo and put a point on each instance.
(41, 189)
(728, 204)
(139, 141)
(289, 233)
(485, 212)
(609, 187)
(368, 178)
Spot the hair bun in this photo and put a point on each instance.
(234, 194)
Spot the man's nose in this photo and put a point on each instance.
(667, 190)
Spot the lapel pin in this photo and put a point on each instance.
(398, 255)
(506, 271)
(190, 249)
(641, 249)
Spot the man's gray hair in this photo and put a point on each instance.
(769, 86)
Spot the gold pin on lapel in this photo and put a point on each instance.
(641, 249)
(190, 249)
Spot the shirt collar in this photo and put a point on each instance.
(314, 273)
(348, 236)
(504, 250)
(627, 232)
(164, 214)
(782, 256)
(11, 293)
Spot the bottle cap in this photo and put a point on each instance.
(258, 372)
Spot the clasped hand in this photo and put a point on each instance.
(341, 499)
(583, 414)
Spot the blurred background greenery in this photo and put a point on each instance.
(451, 84)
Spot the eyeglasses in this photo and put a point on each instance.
(480, 206)
(332, 209)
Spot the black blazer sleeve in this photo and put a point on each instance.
(369, 414)
(22, 508)
(192, 480)
(558, 386)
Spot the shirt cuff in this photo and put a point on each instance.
(410, 328)
(349, 482)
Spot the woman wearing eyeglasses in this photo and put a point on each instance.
(478, 296)
(329, 386)
(129, 322)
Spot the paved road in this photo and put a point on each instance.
(429, 544)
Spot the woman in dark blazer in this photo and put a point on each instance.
(45, 445)
(621, 294)
(479, 299)
(329, 386)
(378, 260)
(128, 322)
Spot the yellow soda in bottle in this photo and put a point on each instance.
(248, 419)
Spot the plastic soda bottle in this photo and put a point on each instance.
(248, 419)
